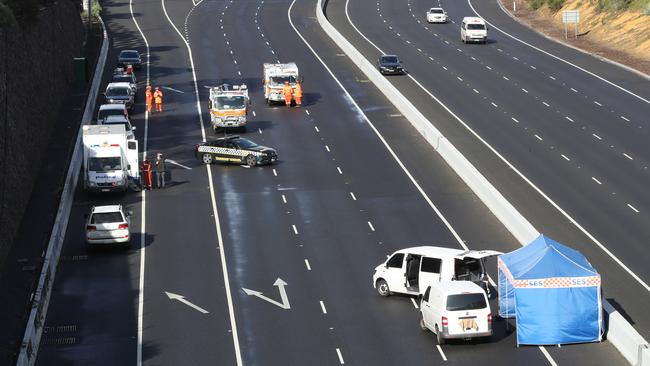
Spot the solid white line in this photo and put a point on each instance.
(143, 219)
(339, 169)
(415, 304)
(514, 119)
(322, 306)
(494, 151)
(596, 136)
(598, 104)
(524, 90)
(633, 208)
(338, 352)
(596, 180)
(442, 354)
(353, 196)
(569, 118)
(628, 156)
(222, 254)
(307, 264)
(284, 199)
(558, 58)
(327, 148)
(275, 173)
(625, 119)
(537, 136)
(295, 229)
(370, 225)
(565, 158)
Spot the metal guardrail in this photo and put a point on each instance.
(41, 298)
(620, 333)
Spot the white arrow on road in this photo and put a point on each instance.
(283, 294)
(181, 298)
(172, 89)
(177, 163)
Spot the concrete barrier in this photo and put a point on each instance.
(41, 298)
(620, 333)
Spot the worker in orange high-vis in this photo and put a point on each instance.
(146, 174)
(297, 94)
(288, 91)
(157, 98)
(149, 98)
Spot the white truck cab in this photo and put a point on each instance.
(228, 105)
(409, 271)
(457, 309)
(274, 77)
(473, 29)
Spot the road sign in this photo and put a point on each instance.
(570, 17)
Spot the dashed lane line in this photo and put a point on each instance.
(596, 180)
(307, 264)
(322, 306)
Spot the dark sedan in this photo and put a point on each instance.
(390, 65)
(235, 149)
(129, 57)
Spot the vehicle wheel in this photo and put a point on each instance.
(422, 325)
(251, 160)
(207, 158)
(382, 288)
(439, 338)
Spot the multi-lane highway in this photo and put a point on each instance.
(354, 183)
(560, 134)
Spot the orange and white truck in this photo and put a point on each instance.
(228, 105)
(274, 77)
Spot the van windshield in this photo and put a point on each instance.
(103, 113)
(102, 165)
(475, 26)
(466, 302)
(275, 80)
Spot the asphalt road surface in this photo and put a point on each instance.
(354, 183)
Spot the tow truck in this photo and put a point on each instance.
(274, 77)
(228, 105)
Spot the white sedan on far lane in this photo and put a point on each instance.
(436, 15)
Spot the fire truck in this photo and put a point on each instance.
(228, 105)
(274, 77)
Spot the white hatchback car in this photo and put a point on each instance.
(437, 15)
(108, 225)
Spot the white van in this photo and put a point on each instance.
(457, 309)
(409, 271)
(473, 29)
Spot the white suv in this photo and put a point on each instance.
(108, 225)
(473, 29)
(436, 15)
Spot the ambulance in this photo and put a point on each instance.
(228, 105)
(110, 159)
(274, 77)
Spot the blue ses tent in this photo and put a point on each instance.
(554, 293)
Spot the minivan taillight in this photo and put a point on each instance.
(123, 227)
(91, 228)
(490, 318)
(444, 321)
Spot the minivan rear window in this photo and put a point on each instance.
(466, 302)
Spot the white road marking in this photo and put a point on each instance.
(307, 265)
(514, 119)
(415, 304)
(316, 127)
(473, 58)
(488, 67)
(172, 89)
(409, 42)
(442, 354)
(547, 355)
(625, 119)
(537, 136)
(533, 67)
(596, 136)
(322, 306)
(307, 111)
(284, 199)
(458, 77)
(546, 104)
(524, 90)
(259, 130)
(627, 156)
(495, 106)
(596, 180)
(327, 148)
(339, 170)
(181, 299)
(178, 164)
(565, 158)
(338, 352)
(515, 58)
(506, 78)
(475, 91)
(568, 118)
(447, 42)
(353, 196)
(295, 229)
(430, 58)
(444, 67)
(500, 50)
(254, 114)
(573, 90)
(597, 103)
(274, 172)
(552, 77)
(419, 49)
(459, 50)
(633, 208)
(222, 254)
(370, 225)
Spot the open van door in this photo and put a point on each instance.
(478, 254)
(132, 159)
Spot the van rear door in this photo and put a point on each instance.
(478, 254)
(429, 271)
(132, 159)
(467, 313)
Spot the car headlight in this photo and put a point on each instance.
(92, 184)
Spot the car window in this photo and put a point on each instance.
(466, 302)
(426, 294)
(106, 218)
(395, 261)
(431, 265)
(217, 143)
(436, 11)
(131, 145)
(122, 78)
(230, 145)
(129, 54)
(475, 26)
(389, 59)
(117, 91)
(245, 144)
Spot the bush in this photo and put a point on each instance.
(536, 4)
(24, 9)
(555, 5)
(6, 15)
(646, 11)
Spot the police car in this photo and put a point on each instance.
(235, 149)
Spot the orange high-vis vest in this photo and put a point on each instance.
(287, 90)
(157, 95)
(298, 92)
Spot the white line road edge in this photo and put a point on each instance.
(222, 254)
(520, 174)
(143, 221)
(559, 58)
